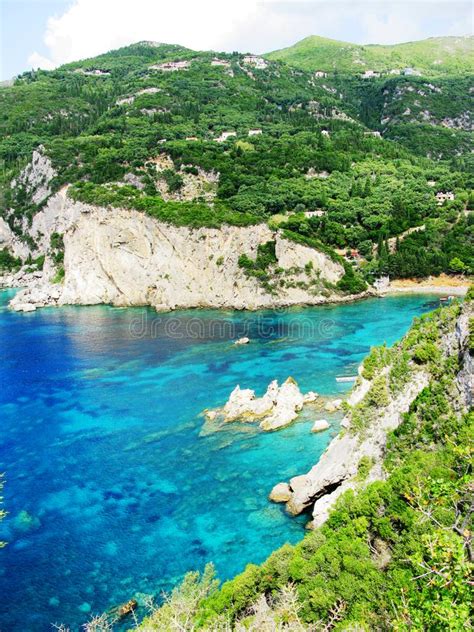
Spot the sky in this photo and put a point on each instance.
(48, 33)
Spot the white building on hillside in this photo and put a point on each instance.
(444, 196)
(411, 72)
(370, 74)
(220, 62)
(255, 61)
(225, 136)
(171, 66)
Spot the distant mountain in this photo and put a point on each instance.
(434, 56)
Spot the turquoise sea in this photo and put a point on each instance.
(112, 488)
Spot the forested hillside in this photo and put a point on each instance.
(199, 138)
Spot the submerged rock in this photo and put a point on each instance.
(25, 522)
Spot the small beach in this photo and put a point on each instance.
(443, 284)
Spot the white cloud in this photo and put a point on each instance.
(390, 28)
(35, 60)
(91, 27)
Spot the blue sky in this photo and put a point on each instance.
(23, 24)
(46, 33)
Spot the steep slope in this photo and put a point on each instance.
(437, 56)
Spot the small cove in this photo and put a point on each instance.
(102, 444)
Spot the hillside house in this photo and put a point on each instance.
(325, 132)
(255, 61)
(314, 213)
(192, 138)
(148, 91)
(225, 136)
(320, 73)
(93, 73)
(171, 66)
(373, 133)
(254, 132)
(411, 72)
(394, 71)
(125, 101)
(444, 196)
(220, 62)
(312, 173)
(370, 74)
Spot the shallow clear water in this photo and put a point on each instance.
(102, 444)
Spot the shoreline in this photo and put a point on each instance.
(451, 286)
(455, 286)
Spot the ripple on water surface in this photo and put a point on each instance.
(111, 488)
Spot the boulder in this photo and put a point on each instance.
(281, 493)
(320, 425)
(288, 402)
(242, 404)
(24, 307)
(242, 341)
(297, 483)
(310, 397)
(333, 406)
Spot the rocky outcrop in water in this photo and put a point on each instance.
(277, 408)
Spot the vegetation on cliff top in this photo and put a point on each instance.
(395, 554)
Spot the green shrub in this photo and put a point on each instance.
(8, 261)
(378, 358)
(400, 371)
(59, 276)
(425, 351)
(351, 282)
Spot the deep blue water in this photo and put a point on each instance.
(102, 444)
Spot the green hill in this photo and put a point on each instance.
(339, 158)
(435, 56)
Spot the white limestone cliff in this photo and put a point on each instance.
(125, 257)
(35, 178)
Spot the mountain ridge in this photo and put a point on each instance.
(426, 55)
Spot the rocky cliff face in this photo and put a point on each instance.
(124, 257)
(36, 177)
(337, 470)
